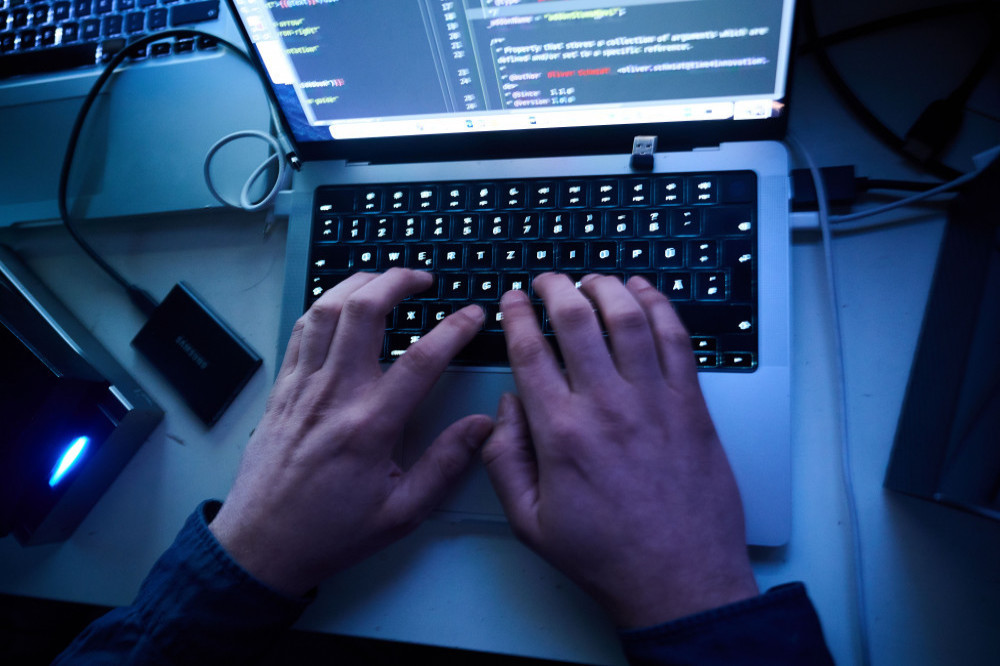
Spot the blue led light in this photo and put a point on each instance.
(68, 460)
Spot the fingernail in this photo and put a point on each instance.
(474, 311)
(504, 403)
(479, 429)
(640, 282)
(515, 294)
(506, 407)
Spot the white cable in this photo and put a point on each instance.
(845, 449)
(277, 155)
(841, 219)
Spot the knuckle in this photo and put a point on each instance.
(450, 464)
(321, 310)
(676, 336)
(528, 348)
(418, 359)
(626, 319)
(361, 307)
(398, 521)
(492, 450)
(405, 519)
(300, 324)
(563, 428)
(351, 427)
(573, 314)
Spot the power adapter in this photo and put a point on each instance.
(197, 352)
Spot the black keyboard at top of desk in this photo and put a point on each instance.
(694, 236)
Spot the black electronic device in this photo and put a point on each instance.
(204, 359)
(947, 446)
(70, 416)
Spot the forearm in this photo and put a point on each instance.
(197, 605)
(778, 627)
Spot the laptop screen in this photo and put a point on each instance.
(508, 76)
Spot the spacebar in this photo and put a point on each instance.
(55, 59)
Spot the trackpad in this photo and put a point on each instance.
(457, 394)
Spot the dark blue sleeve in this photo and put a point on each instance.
(778, 627)
(196, 606)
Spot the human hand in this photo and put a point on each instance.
(317, 490)
(613, 471)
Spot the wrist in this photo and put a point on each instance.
(663, 601)
(252, 552)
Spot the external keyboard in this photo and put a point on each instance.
(43, 36)
(694, 236)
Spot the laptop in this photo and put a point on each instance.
(442, 117)
(142, 150)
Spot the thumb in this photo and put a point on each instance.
(510, 461)
(440, 466)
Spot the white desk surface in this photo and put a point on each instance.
(932, 574)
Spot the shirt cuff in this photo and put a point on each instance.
(198, 600)
(778, 627)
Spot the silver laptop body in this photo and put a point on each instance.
(751, 409)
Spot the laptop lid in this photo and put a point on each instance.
(457, 79)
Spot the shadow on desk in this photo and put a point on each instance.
(34, 631)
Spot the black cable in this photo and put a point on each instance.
(939, 123)
(843, 186)
(141, 298)
(868, 184)
(983, 114)
(882, 132)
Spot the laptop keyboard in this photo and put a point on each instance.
(43, 36)
(694, 236)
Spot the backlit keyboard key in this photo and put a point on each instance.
(482, 238)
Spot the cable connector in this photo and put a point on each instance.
(643, 149)
(839, 181)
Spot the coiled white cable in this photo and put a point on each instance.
(277, 156)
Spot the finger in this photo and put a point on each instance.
(413, 374)
(673, 344)
(433, 474)
(318, 324)
(511, 464)
(290, 361)
(628, 327)
(577, 330)
(536, 371)
(358, 343)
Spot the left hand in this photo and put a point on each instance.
(317, 490)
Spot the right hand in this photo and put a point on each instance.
(613, 471)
